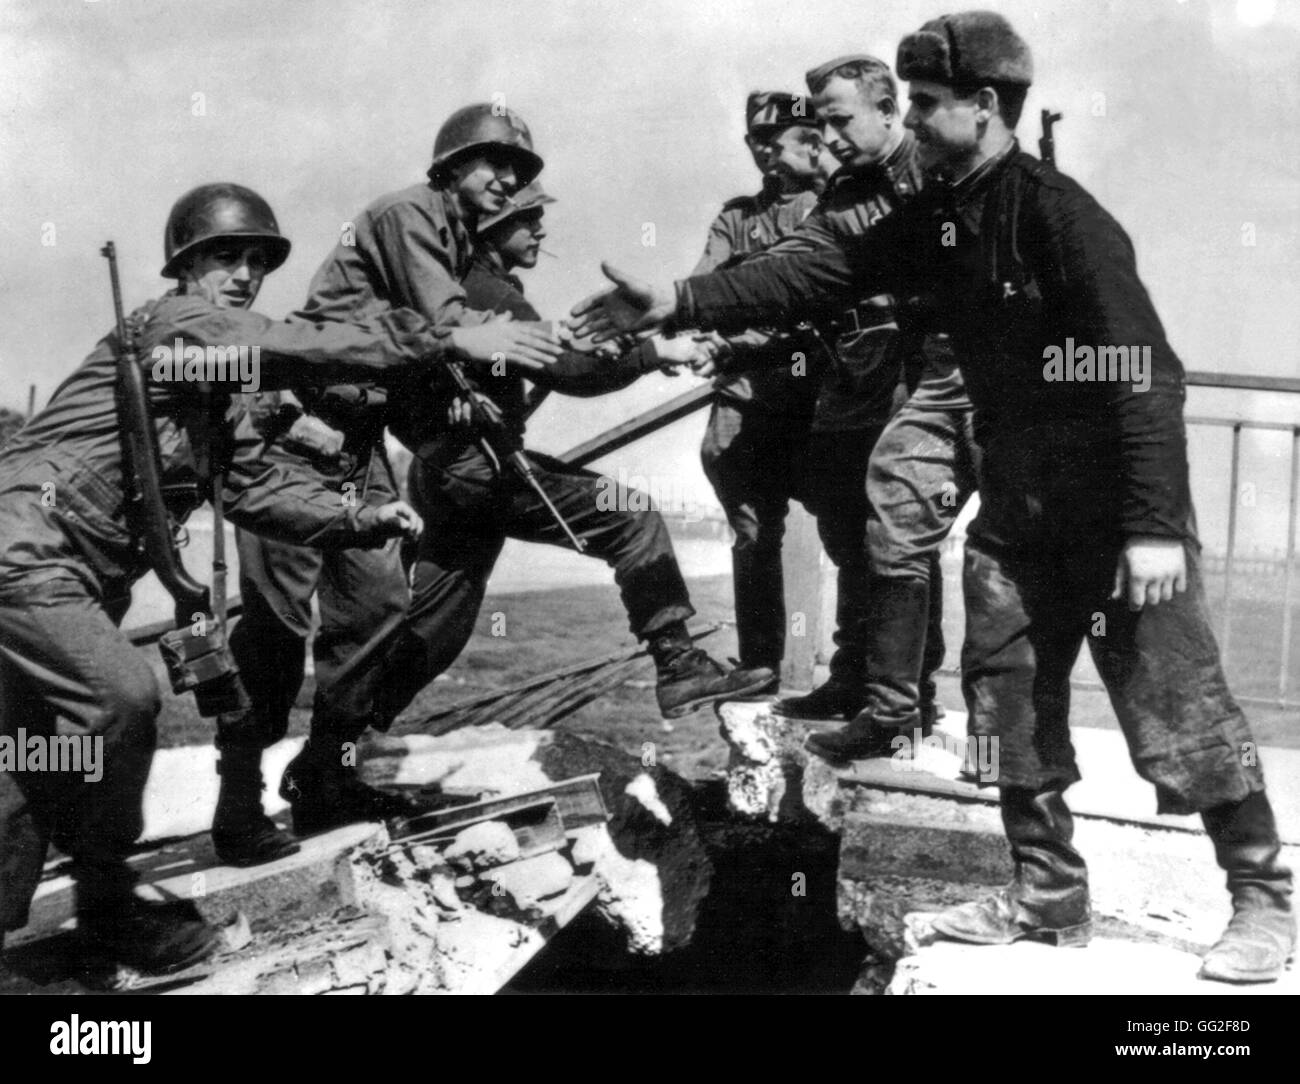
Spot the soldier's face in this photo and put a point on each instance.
(227, 274)
(519, 239)
(795, 151)
(947, 127)
(484, 183)
(855, 129)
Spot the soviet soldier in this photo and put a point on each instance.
(855, 101)
(337, 433)
(1085, 529)
(69, 554)
(757, 432)
(911, 476)
(414, 248)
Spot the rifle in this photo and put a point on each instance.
(1047, 143)
(195, 652)
(520, 462)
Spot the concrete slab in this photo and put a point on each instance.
(1104, 966)
(311, 882)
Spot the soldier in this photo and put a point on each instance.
(68, 556)
(754, 442)
(921, 468)
(414, 248)
(1085, 528)
(337, 433)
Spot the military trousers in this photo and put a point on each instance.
(362, 596)
(470, 510)
(68, 672)
(1039, 570)
(754, 460)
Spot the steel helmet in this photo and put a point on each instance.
(530, 198)
(479, 127)
(220, 210)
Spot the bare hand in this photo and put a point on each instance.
(1150, 570)
(400, 519)
(461, 412)
(631, 306)
(529, 345)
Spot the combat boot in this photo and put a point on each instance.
(689, 678)
(864, 737)
(323, 794)
(837, 697)
(1048, 900)
(115, 926)
(242, 834)
(1261, 936)
(893, 649)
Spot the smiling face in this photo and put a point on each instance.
(226, 273)
(484, 182)
(947, 127)
(858, 127)
(518, 239)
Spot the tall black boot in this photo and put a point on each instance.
(243, 835)
(843, 694)
(689, 678)
(324, 792)
(894, 644)
(1260, 938)
(1048, 900)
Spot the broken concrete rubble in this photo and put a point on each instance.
(482, 846)
(920, 840)
(651, 866)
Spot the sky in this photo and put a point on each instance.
(1179, 117)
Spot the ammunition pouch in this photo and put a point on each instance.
(201, 663)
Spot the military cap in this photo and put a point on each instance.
(970, 48)
(819, 76)
(778, 109)
(530, 198)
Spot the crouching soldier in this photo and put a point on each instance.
(69, 554)
(415, 248)
(475, 504)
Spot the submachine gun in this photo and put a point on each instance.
(196, 653)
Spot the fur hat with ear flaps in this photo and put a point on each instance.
(970, 48)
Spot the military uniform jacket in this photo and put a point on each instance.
(761, 371)
(873, 361)
(1023, 263)
(408, 249)
(489, 288)
(63, 500)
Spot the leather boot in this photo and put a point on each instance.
(242, 835)
(323, 793)
(1048, 900)
(837, 697)
(1260, 939)
(689, 678)
(115, 926)
(894, 644)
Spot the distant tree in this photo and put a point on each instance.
(10, 422)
